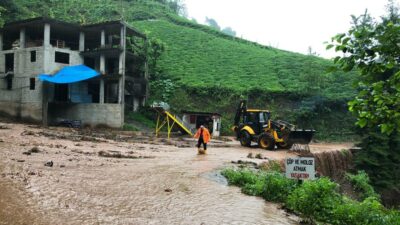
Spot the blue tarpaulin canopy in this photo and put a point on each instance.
(70, 74)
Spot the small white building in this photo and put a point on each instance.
(210, 120)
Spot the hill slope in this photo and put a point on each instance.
(210, 70)
(199, 59)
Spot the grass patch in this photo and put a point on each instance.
(138, 117)
(361, 184)
(129, 127)
(317, 200)
(255, 68)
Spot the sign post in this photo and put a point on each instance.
(300, 168)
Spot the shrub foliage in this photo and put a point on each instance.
(317, 200)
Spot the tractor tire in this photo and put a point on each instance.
(266, 141)
(245, 138)
(284, 145)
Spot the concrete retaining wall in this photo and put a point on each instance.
(92, 114)
(29, 112)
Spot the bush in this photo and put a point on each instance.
(360, 183)
(315, 199)
(369, 211)
(272, 186)
(277, 187)
(380, 159)
(240, 177)
(254, 189)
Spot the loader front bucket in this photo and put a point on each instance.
(300, 136)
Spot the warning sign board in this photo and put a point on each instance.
(301, 168)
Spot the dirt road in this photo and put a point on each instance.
(63, 176)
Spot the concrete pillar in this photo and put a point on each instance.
(122, 36)
(46, 69)
(121, 62)
(121, 90)
(121, 66)
(81, 41)
(22, 38)
(103, 38)
(46, 35)
(102, 57)
(136, 104)
(216, 126)
(101, 94)
(1, 41)
(143, 101)
(45, 104)
(110, 39)
(121, 99)
(46, 45)
(102, 64)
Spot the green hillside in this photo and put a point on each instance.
(204, 69)
(199, 59)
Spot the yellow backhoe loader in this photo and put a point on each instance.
(255, 125)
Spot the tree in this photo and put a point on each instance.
(229, 31)
(2, 10)
(212, 23)
(310, 51)
(177, 6)
(9, 11)
(155, 48)
(373, 48)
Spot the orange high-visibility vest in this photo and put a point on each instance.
(206, 135)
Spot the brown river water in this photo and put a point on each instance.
(152, 181)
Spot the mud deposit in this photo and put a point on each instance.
(96, 179)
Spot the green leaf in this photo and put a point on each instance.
(362, 122)
(329, 46)
(345, 40)
(386, 128)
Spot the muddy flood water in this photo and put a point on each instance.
(64, 176)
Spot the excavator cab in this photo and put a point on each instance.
(255, 125)
(256, 119)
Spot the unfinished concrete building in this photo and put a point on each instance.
(44, 46)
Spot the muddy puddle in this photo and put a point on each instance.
(148, 183)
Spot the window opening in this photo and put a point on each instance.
(9, 82)
(9, 62)
(33, 56)
(61, 57)
(32, 83)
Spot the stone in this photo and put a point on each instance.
(49, 164)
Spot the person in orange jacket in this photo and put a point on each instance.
(204, 137)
